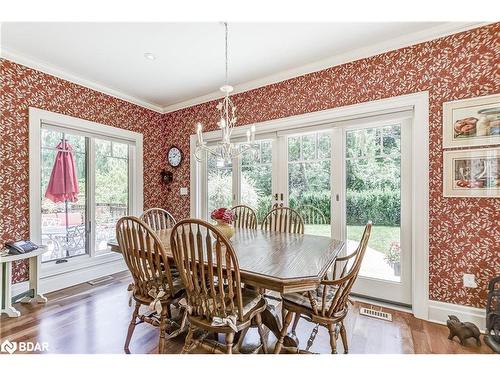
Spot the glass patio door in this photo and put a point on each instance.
(337, 177)
(376, 164)
(246, 180)
(307, 189)
(340, 178)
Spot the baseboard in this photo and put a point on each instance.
(439, 311)
(56, 282)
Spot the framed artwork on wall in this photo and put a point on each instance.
(472, 122)
(472, 173)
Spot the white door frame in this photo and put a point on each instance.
(419, 102)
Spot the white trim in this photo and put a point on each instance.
(60, 281)
(439, 311)
(361, 53)
(37, 117)
(372, 50)
(60, 73)
(420, 171)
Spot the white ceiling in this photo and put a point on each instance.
(190, 56)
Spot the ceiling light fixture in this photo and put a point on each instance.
(149, 56)
(224, 150)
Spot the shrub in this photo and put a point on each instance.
(382, 207)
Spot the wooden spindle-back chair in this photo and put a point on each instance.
(312, 215)
(209, 270)
(245, 217)
(283, 219)
(328, 304)
(158, 218)
(147, 260)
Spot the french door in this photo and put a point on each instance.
(337, 177)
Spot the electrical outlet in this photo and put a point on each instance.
(469, 280)
(184, 191)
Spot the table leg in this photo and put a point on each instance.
(272, 321)
(34, 282)
(7, 291)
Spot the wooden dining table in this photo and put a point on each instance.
(281, 262)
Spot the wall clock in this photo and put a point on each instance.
(174, 156)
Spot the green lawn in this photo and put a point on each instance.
(380, 239)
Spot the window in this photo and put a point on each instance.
(109, 172)
(68, 228)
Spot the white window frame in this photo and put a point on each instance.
(419, 103)
(91, 266)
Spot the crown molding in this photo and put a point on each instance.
(373, 50)
(59, 73)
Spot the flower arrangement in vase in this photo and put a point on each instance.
(224, 218)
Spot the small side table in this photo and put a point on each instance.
(6, 280)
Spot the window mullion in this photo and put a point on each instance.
(90, 198)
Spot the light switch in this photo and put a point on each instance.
(184, 191)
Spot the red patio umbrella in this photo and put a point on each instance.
(63, 183)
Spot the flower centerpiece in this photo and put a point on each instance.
(224, 218)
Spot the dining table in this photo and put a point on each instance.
(275, 261)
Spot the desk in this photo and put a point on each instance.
(6, 280)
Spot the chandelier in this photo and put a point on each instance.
(224, 150)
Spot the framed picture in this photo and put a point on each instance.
(472, 122)
(472, 173)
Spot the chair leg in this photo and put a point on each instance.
(260, 328)
(295, 322)
(163, 326)
(229, 342)
(333, 338)
(189, 341)
(284, 330)
(131, 327)
(343, 335)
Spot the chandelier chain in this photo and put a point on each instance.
(226, 32)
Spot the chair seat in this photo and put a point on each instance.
(147, 299)
(250, 299)
(302, 298)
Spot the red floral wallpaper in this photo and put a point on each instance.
(21, 88)
(464, 232)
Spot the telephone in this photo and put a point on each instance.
(20, 247)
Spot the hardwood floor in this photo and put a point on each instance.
(94, 319)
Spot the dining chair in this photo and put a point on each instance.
(158, 218)
(245, 217)
(312, 215)
(328, 304)
(283, 219)
(216, 301)
(153, 284)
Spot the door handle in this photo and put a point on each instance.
(276, 196)
(281, 196)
